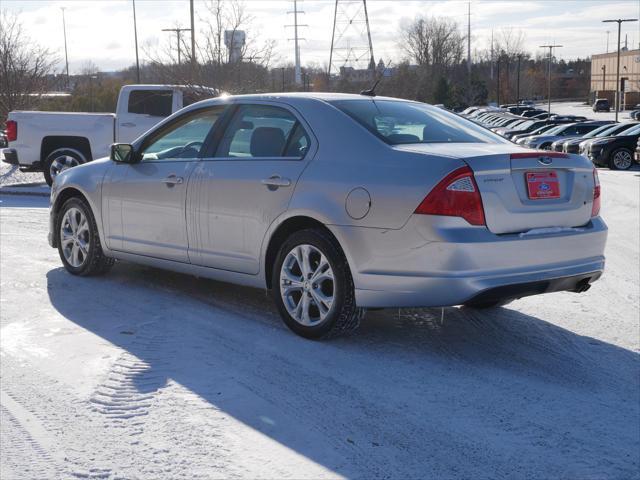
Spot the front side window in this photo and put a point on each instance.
(184, 137)
(398, 122)
(263, 131)
(156, 103)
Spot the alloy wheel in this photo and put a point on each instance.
(307, 285)
(74, 237)
(622, 160)
(62, 163)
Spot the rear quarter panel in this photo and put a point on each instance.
(350, 157)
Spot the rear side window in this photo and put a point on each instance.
(398, 122)
(263, 131)
(156, 103)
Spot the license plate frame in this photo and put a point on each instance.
(543, 185)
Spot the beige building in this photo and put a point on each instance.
(603, 77)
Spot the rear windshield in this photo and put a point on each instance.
(397, 123)
(597, 131)
(630, 131)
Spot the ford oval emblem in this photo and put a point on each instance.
(545, 160)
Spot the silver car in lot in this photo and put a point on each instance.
(336, 203)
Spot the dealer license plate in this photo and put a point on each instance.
(543, 185)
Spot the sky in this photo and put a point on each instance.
(101, 32)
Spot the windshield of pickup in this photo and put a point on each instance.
(398, 122)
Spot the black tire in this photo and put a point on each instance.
(76, 155)
(612, 164)
(343, 316)
(95, 262)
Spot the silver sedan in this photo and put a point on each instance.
(336, 203)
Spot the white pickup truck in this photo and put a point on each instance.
(50, 142)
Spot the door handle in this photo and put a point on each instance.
(127, 124)
(276, 181)
(172, 180)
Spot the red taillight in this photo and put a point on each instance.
(456, 195)
(12, 130)
(595, 209)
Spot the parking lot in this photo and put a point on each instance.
(144, 373)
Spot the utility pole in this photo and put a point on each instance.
(66, 56)
(135, 36)
(349, 46)
(604, 74)
(498, 84)
(518, 81)
(469, 41)
(178, 31)
(550, 47)
(491, 62)
(296, 39)
(193, 40)
(619, 21)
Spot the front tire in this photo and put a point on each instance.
(621, 159)
(78, 240)
(60, 160)
(313, 288)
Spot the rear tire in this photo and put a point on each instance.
(313, 288)
(60, 160)
(78, 240)
(621, 159)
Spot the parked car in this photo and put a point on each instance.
(336, 203)
(520, 138)
(619, 129)
(51, 142)
(576, 145)
(544, 141)
(616, 152)
(636, 156)
(601, 105)
(558, 145)
(532, 113)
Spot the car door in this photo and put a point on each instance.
(141, 110)
(146, 200)
(237, 193)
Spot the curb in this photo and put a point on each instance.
(20, 191)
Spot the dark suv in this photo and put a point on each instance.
(601, 105)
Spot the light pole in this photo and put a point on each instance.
(135, 36)
(608, 32)
(604, 75)
(66, 57)
(619, 22)
(550, 47)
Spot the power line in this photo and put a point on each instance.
(296, 39)
(178, 31)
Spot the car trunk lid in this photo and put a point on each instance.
(524, 189)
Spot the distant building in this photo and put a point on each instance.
(603, 77)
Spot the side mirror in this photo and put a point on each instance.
(123, 153)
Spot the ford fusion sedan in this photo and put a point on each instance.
(335, 204)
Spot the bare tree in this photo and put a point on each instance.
(433, 42)
(24, 66)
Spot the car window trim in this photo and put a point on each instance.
(168, 126)
(231, 114)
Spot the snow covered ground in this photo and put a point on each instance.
(149, 374)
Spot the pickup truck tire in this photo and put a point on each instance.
(78, 240)
(59, 160)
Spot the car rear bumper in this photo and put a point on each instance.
(412, 268)
(10, 156)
